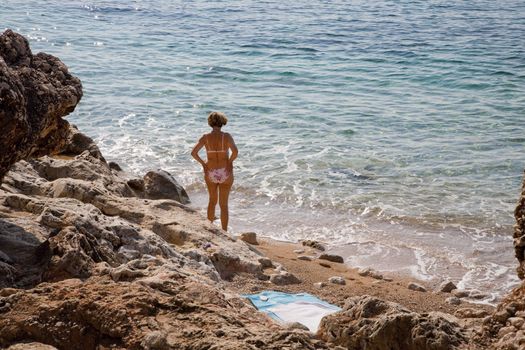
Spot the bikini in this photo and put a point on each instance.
(219, 175)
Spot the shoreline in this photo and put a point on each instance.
(411, 251)
(392, 288)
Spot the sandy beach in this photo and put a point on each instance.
(391, 288)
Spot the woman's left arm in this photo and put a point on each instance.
(234, 149)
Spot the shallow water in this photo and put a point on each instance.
(393, 130)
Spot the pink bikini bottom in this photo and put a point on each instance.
(218, 176)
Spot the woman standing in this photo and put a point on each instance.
(218, 169)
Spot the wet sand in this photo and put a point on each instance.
(392, 288)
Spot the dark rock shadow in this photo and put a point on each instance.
(23, 256)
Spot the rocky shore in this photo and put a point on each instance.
(93, 258)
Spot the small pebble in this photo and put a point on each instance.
(364, 271)
(477, 295)
(453, 300)
(332, 257)
(460, 293)
(337, 280)
(416, 287)
(304, 257)
(376, 275)
(249, 237)
(319, 284)
(447, 287)
(313, 244)
(284, 278)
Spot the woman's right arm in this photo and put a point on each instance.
(195, 152)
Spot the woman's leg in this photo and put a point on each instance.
(212, 202)
(224, 193)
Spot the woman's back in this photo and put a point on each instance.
(217, 149)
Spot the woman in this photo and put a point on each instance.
(218, 170)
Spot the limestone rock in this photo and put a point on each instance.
(156, 340)
(470, 313)
(416, 287)
(370, 273)
(284, 278)
(458, 293)
(296, 325)
(516, 322)
(368, 322)
(337, 280)
(313, 244)
(249, 237)
(228, 263)
(183, 315)
(7, 275)
(77, 143)
(332, 258)
(265, 262)
(376, 275)
(476, 294)
(501, 316)
(453, 300)
(36, 91)
(447, 287)
(136, 184)
(5, 258)
(506, 326)
(160, 184)
(114, 166)
(304, 257)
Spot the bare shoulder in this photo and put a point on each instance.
(228, 136)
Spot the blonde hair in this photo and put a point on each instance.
(217, 119)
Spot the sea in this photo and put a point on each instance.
(393, 131)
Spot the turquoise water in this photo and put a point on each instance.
(393, 130)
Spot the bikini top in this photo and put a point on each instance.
(212, 151)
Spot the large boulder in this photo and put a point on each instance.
(160, 184)
(373, 324)
(36, 91)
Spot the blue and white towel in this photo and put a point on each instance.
(285, 308)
